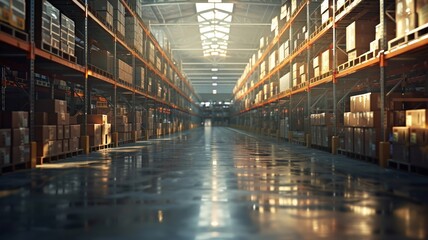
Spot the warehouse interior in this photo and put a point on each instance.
(214, 119)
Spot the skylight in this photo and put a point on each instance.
(214, 25)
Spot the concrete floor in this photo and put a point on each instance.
(213, 183)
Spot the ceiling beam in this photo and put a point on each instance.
(197, 24)
(228, 49)
(215, 64)
(274, 3)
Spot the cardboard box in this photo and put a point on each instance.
(65, 146)
(20, 154)
(75, 131)
(418, 156)
(45, 133)
(400, 152)
(51, 106)
(14, 119)
(20, 136)
(359, 34)
(349, 139)
(5, 156)
(422, 12)
(92, 130)
(418, 136)
(359, 141)
(95, 140)
(371, 141)
(5, 138)
(417, 118)
(93, 119)
(365, 102)
(325, 5)
(41, 118)
(400, 135)
(45, 149)
(58, 118)
(73, 144)
(105, 129)
(66, 131)
(60, 132)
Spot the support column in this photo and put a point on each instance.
(33, 144)
(335, 138)
(308, 77)
(115, 134)
(384, 145)
(84, 139)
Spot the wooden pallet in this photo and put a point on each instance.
(406, 166)
(415, 34)
(360, 59)
(16, 33)
(14, 167)
(48, 159)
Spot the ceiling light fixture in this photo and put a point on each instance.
(214, 84)
(214, 77)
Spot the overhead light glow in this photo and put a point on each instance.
(214, 69)
(214, 20)
(214, 91)
(214, 77)
(214, 84)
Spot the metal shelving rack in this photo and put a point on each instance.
(374, 67)
(24, 48)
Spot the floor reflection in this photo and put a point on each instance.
(212, 183)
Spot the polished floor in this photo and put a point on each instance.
(213, 183)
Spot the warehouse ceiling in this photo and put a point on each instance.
(213, 41)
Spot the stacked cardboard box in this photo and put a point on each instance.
(125, 72)
(359, 34)
(363, 123)
(13, 13)
(137, 6)
(326, 11)
(405, 16)
(316, 66)
(417, 124)
(326, 60)
(296, 76)
(134, 34)
(422, 11)
(284, 82)
(285, 14)
(67, 35)
(105, 10)
(14, 138)
(390, 33)
(51, 30)
(98, 129)
(118, 17)
(53, 132)
(102, 59)
(321, 126)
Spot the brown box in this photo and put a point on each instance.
(45, 133)
(418, 136)
(41, 118)
(400, 152)
(92, 130)
(417, 118)
(14, 119)
(349, 139)
(58, 119)
(20, 154)
(105, 129)
(359, 141)
(121, 119)
(65, 146)
(371, 141)
(97, 119)
(57, 147)
(5, 138)
(73, 144)
(66, 131)
(59, 132)
(365, 102)
(359, 34)
(20, 136)
(326, 133)
(45, 149)
(400, 135)
(5, 156)
(370, 119)
(418, 156)
(95, 140)
(51, 106)
(422, 11)
(75, 131)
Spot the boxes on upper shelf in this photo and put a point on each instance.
(365, 102)
(359, 35)
(16, 119)
(417, 118)
(51, 106)
(405, 16)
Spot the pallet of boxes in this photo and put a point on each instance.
(14, 141)
(410, 142)
(322, 129)
(98, 129)
(362, 126)
(123, 127)
(56, 138)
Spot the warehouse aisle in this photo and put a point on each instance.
(213, 183)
